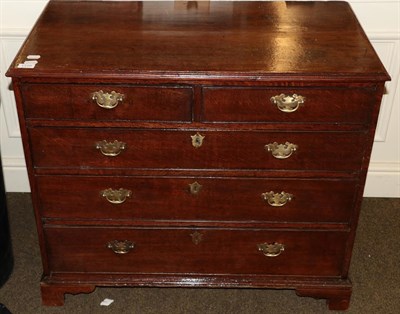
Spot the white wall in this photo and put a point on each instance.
(380, 19)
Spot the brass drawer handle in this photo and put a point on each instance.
(107, 100)
(277, 199)
(271, 249)
(281, 151)
(287, 103)
(120, 247)
(195, 188)
(116, 196)
(197, 140)
(110, 149)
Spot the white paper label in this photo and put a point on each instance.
(106, 302)
(33, 57)
(26, 66)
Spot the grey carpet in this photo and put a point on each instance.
(375, 272)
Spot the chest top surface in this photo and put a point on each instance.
(256, 40)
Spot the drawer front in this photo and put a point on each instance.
(155, 103)
(317, 253)
(196, 198)
(76, 148)
(325, 105)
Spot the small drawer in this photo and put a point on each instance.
(166, 149)
(107, 102)
(312, 105)
(201, 251)
(196, 198)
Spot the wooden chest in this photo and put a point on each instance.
(213, 146)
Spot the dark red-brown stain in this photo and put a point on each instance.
(211, 70)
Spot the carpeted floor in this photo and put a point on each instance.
(375, 272)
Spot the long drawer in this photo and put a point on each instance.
(99, 103)
(90, 148)
(296, 104)
(196, 198)
(205, 251)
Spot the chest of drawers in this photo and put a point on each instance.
(217, 147)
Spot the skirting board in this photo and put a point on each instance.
(15, 175)
(383, 178)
